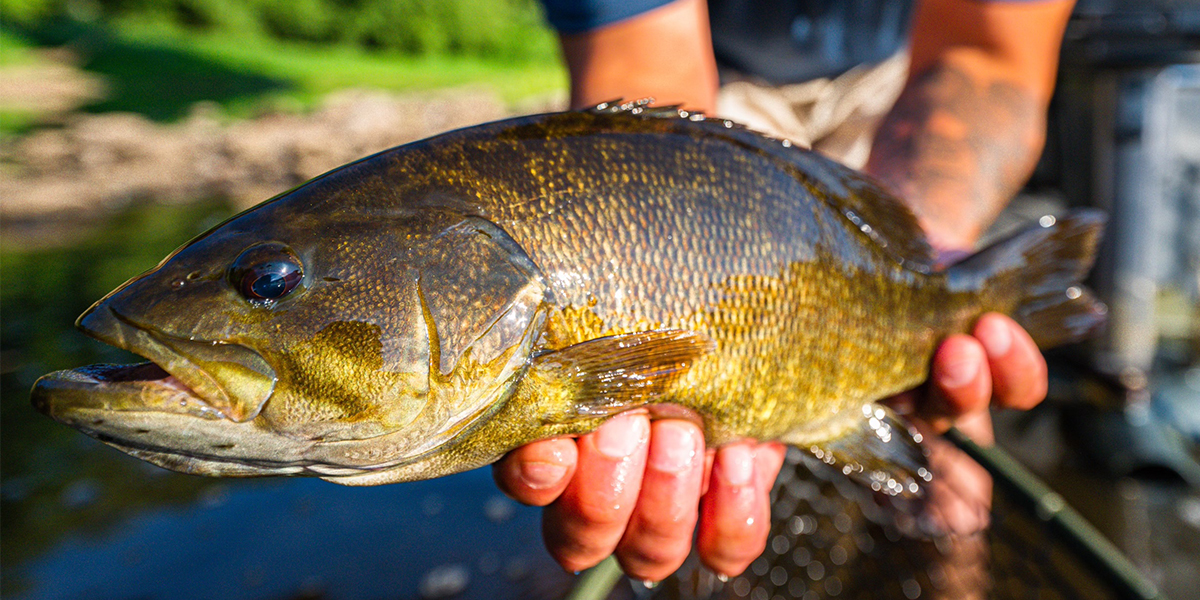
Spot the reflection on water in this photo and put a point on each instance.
(81, 520)
(298, 538)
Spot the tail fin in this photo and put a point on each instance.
(1037, 272)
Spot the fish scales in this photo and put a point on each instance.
(424, 310)
(739, 247)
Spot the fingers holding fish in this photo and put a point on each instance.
(587, 521)
(735, 512)
(659, 536)
(960, 381)
(1018, 369)
(999, 364)
(537, 473)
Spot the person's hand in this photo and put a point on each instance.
(998, 365)
(639, 489)
(634, 488)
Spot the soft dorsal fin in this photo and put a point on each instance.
(864, 203)
(874, 211)
(607, 375)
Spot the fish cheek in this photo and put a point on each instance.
(342, 384)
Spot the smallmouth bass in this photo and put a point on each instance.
(424, 310)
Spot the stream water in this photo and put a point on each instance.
(81, 520)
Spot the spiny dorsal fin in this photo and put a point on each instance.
(611, 374)
(641, 108)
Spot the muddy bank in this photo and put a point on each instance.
(54, 178)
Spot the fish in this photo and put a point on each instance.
(423, 311)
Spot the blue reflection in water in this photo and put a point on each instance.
(305, 537)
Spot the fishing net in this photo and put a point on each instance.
(831, 538)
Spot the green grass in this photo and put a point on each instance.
(313, 71)
(15, 49)
(160, 71)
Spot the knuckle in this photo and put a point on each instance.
(646, 560)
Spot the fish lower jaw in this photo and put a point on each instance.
(221, 466)
(120, 388)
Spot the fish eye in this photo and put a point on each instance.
(266, 272)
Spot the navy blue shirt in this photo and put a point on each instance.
(781, 41)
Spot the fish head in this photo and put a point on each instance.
(325, 343)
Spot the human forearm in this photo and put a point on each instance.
(970, 123)
(665, 54)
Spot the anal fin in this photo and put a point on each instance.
(882, 453)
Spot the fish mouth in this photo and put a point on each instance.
(187, 411)
(116, 388)
(202, 378)
(144, 411)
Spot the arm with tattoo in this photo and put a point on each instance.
(970, 123)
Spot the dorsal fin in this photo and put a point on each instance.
(878, 214)
(865, 204)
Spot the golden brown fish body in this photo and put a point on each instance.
(423, 311)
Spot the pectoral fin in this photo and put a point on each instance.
(605, 376)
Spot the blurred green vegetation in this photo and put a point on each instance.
(14, 50)
(159, 57)
(494, 29)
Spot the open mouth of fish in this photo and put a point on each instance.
(187, 410)
(210, 380)
(119, 388)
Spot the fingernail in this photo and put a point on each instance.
(674, 446)
(620, 437)
(540, 475)
(996, 337)
(736, 464)
(958, 372)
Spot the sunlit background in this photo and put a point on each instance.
(129, 126)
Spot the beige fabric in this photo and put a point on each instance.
(837, 117)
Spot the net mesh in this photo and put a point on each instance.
(831, 538)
